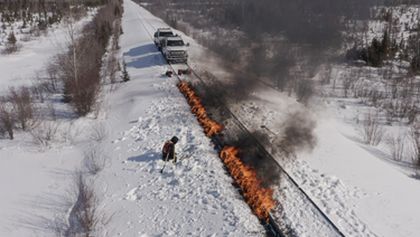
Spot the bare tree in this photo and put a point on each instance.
(346, 85)
(39, 92)
(415, 140)
(94, 160)
(2, 131)
(112, 67)
(80, 68)
(7, 119)
(397, 146)
(80, 74)
(21, 100)
(98, 132)
(44, 133)
(84, 215)
(52, 76)
(371, 129)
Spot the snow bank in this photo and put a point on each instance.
(194, 197)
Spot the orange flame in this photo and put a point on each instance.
(210, 126)
(258, 198)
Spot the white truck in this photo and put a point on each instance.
(160, 35)
(174, 49)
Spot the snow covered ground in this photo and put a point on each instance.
(363, 194)
(22, 67)
(194, 197)
(34, 180)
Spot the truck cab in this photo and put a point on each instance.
(174, 49)
(160, 35)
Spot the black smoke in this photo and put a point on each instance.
(297, 135)
(281, 43)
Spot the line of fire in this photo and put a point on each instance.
(260, 199)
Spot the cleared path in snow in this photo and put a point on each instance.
(194, 197)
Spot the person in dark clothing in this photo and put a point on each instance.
(168, 150)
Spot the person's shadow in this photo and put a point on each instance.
(150, 156)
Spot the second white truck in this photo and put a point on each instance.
(160, 35)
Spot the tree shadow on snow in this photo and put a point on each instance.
(44, 214)
(353, 138)
(144, 56)
(147, 61)
(139, 51)
(150, 156)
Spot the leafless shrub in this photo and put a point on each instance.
(183, 27)
(69, 133)
(94, 160)
(21, 100)
(371, 129)
(99, 132)
(35, 32)
(7, 119)
(2, 131)
(348, 81)
(84, 215)
(80, 73)
(26, 38)
(415, 141)
(44, 133)
(374, 97)
(80, 67)
(39, 93)
(397, 146)
(401, 108)
(52, 76)
(52, 111)
(117, 31)
(326, 74)
(305, 90)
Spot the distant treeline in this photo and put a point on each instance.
(45, 5)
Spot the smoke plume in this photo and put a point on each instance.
(297, 135)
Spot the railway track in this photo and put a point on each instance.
(234, 128)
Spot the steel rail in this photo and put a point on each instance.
(257, 143)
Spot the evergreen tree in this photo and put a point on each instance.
(11, 43)
(11, 39)
(125, 77)
(385, 44)
(415, 64)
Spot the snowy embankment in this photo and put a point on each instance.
(194, 197)
(270, 108)
(35, 182)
